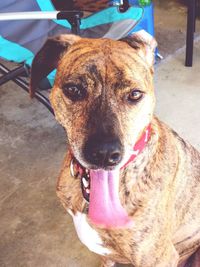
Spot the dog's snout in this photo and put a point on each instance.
(103, 152)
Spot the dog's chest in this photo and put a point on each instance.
(87, 235)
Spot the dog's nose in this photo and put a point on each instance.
(106, 154)
(103, 152)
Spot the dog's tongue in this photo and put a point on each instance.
(105, 208)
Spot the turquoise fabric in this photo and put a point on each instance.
(51, 77)
(14, 52)
(111, 15)
(17, 53)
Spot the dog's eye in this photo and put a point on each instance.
(135, 95)
(74, 92)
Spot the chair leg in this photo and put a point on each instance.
(190, 32)
(11, 74)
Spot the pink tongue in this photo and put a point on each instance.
(105, 208)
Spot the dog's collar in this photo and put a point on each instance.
(140, 144)
(78, 171)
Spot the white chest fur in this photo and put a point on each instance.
(88, 236)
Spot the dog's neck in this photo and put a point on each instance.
(138, 174)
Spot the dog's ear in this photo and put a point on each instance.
(144, 43)
(47, 58)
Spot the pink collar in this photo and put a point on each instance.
(140, 144)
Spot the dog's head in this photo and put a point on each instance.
(103, 94)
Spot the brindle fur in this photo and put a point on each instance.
(160, 188)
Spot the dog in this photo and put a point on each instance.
(130, 183)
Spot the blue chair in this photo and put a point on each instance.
(147, 21)
(22, 33)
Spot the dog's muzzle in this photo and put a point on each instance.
(100, 186)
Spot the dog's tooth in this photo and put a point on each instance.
(85, 182)
(87, 171)
(72, 168)
(87, 190)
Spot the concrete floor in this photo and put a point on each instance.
(34, 229)
(178, 95)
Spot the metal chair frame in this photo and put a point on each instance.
(17, 74)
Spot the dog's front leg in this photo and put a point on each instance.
(164, 255)
(107, 263)
(169, 258)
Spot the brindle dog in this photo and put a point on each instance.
(146, 212)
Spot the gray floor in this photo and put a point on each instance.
(34, 229)
(178, 95)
